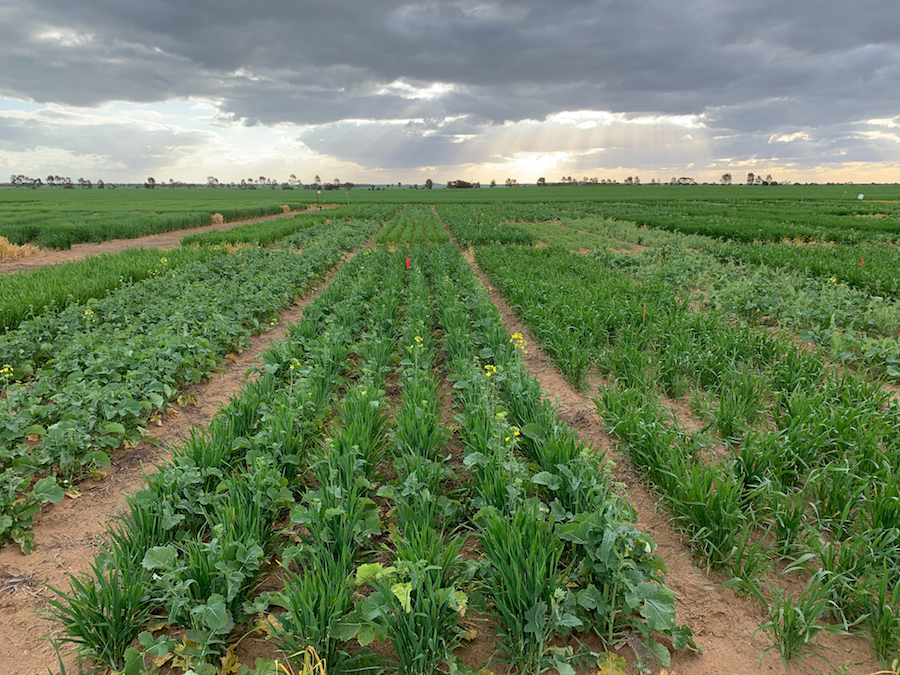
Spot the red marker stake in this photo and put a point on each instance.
(407, 263)
(861, 261)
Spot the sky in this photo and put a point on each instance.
(387, 91)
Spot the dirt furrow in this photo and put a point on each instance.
(68, 534)
(723, 623)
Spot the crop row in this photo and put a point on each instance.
(60, 219)
(414, 225)
(473, 225)
(313, 436)
(268, 232)
(851, 325)
(806, 459)
(750, 221)
(26, 295)
(855, 322)
(80, 381)
(561, 551)
(196, 542)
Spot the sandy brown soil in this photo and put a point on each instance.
(723, 622)
(164, 240)
(67, 534)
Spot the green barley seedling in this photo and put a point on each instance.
(251, 504)
(794, 623)
(846, 568)
(340, 520)
(414, 612)
(709, 505)
(104, 612)
(750, 557)
(142, 527)
(788, 516)
(316, 603)
(205, 450)
(440, 552)
(529, 593)
(363, 425)
(339, 466)
(881, 504)
(883, 614)
(739, 407)
(835, 493)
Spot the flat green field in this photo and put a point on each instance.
(53, 218)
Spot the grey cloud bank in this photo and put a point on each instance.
(454, 84)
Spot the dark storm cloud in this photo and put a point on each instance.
(759, 68)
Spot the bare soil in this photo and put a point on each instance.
(723, 623)
(68, 534)
(164, 240)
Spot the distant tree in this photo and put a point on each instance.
(674, 181)
(629, 180)
(212, 181)
(100, 184)
(429, 184)
(750, 178)
(511, 182)
(758, 180)
(337, 182)
(637, 180)
(318, 180)
(542, 181)
(458, 184)
(494, 183)
(768, 180)
(725, 179)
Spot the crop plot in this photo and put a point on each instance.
(341, 434)
(392, 492)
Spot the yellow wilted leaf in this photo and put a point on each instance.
(160, 661)
(268, 624)
(611, 664)
(229, 663)
(469, 633)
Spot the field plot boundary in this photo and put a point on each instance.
(67, 534)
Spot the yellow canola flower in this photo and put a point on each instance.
(88, 312)
(363, 392)
(418, 339)
(832, 280)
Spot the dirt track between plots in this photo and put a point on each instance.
(163, 240)
(68, 534)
